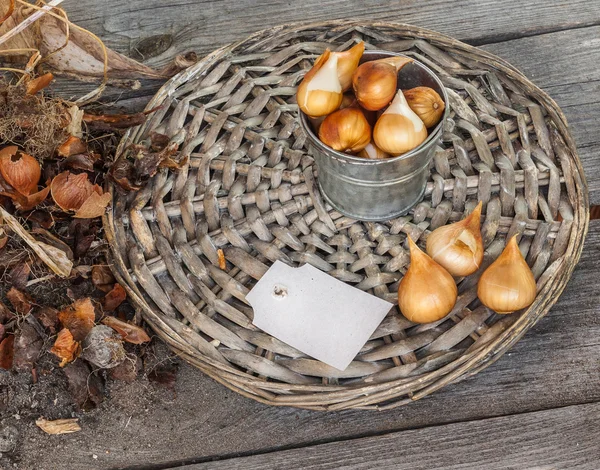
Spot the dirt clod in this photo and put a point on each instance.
(9, 435)
(103, 348)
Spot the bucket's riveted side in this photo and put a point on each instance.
(378, 189)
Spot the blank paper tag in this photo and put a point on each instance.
(315, 313)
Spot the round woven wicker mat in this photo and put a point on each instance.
(247, 186)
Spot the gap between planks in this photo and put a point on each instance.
(198, 463)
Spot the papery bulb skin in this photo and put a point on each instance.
(507, 284)
(427, 292)
(458, 247)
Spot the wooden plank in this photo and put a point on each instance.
(555, 364)
(560, 438)
(204, 25)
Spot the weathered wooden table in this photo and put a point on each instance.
(537, 407)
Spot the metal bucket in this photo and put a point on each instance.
(378, 189)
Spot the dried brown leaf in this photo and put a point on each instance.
(102, 278)
(48, 317)
(114, 298)
(122, 172)
(128, 370)
(85, 387)
(5, 313)
(79, 318)
(72, 146)
(58, 426)
(41, 218)
(164, 374)
(27, 347)
(19, 275)
(82, 161)
(65, 347)
(39, 83)
(158, 141)
(130, 333)
(7, 352)
(21, 302)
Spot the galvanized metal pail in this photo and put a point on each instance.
(378, 189)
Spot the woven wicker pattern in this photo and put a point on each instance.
(249, 188)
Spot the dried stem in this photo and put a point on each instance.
(63, 17)
(32, 19)
(11, 8)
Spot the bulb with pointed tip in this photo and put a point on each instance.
(508, 283)
(399, 130)
(347, 64)
(458, 247)
(427, 292)
(320, 92)
(375, 82)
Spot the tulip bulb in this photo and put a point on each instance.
(348, 101)
(346, 130)
(508, 283)
(399, 130)
(375, 82)
(458, 247)
(373, 152)
(347, 64)
(427, 292)
(320, 92)
(426, 103)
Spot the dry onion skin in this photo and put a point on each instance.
(75, 193)
(20, 170)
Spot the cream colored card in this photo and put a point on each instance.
(315, 313)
